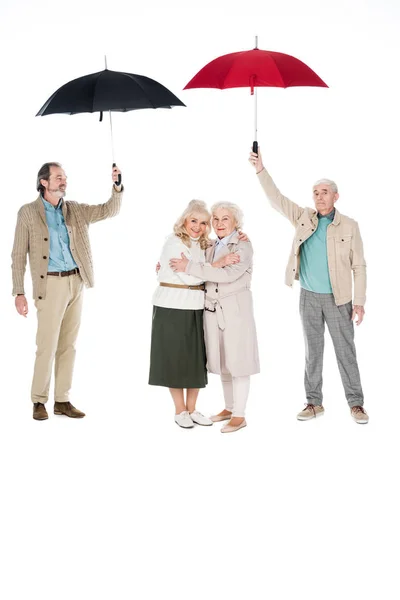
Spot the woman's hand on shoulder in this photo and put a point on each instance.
(242, 236)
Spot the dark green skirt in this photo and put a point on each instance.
(178, 354)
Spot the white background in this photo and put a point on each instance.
(124, 504)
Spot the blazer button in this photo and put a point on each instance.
(302, 224)
(46, 239)
(205, 291)
(294, 269)
(45, 257)
(42, 277)
(40, 297)
(216, 290)
(342, 240)
(312, 229)
(300, 240)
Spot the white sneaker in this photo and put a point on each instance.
(200, 419)
(184, 420)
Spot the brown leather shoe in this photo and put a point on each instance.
(39, 412)
(66, 408)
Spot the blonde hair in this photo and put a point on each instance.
(194, 206)
(235, 211)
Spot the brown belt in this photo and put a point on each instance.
(64, 273)
(185, 287)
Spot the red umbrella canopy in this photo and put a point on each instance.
(255, 68)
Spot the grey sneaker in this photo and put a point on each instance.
(311, 411)
(359, 414)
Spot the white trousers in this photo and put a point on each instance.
(236, 389)
(236, 392)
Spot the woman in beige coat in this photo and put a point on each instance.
(229, 327)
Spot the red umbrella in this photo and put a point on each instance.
(255, 68)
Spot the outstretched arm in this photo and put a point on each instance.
(99, 212)
(286, 207)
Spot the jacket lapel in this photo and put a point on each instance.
(40, 209)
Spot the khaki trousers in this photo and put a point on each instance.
(59, 317)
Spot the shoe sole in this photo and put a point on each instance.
(203, 424)
(69, 416)
(310, 418)
(183, 426)
(360, 422)
(234, 430)
(40, 418)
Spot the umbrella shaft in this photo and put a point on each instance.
(112, 137)
(255, 113)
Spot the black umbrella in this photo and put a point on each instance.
(109, 90)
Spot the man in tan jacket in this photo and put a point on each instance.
(326, 254)
(54, 233)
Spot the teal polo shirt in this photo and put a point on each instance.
(314, 270)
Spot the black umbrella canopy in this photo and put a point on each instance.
(109, 90)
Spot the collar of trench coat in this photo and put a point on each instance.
(224, 251)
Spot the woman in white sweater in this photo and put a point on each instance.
(178, 357)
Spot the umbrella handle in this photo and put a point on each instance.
(119, 176)
(255, 147)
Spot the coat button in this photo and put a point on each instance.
(294, 269)
(46, 239)
(302, 224)
(216, 290)
(342, 240)
(205, 291)
(40, 297)
(42, 277)
(44, 257)
(312, 229)
(300, 240)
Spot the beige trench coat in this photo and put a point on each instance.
(228, 317)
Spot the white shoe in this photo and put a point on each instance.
(184, 420)
(200, 419)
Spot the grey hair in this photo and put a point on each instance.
(328, 182)
(236, 212)
(44, 173)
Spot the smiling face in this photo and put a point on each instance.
(196, 225)
(56, 185)
(324, 198)
(223, 222)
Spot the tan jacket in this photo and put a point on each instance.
(32, 237)
(229, 310)
(344, 245)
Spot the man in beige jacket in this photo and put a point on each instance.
(327, 251)
(54, 233)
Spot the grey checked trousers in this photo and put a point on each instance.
(315, 311)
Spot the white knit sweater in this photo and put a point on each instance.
(175, 297)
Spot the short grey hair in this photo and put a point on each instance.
(329, 183)
(236, 212)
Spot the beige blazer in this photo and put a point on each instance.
(228, 316)
(344, 245)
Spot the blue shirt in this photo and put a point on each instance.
(60, 258)
(314, 270)
(222, 242)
